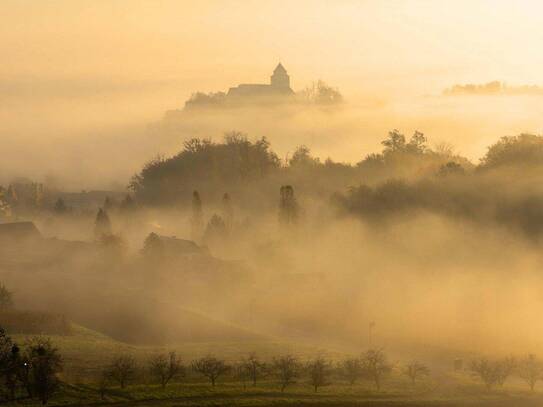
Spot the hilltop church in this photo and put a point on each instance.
(279, 86)
(278, 91)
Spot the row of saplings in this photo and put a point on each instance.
(32, 371)
(286, 370)
(495, 372)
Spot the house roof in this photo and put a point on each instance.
(19, 231)
(180, 246)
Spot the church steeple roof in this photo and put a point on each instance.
(279, 68)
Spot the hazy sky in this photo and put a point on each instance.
(218, 43)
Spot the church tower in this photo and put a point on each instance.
(280, 79)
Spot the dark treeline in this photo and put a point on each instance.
(406, 177)
(238, 163)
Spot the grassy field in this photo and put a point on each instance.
(86, 352)
(268, 394)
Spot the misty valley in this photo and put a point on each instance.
(271, 203)
(410, 275)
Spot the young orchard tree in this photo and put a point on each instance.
(415, 370)
(166, 367)
(352, 370)
(487, 370)
(210, 367)
(255, 368)
(122, 370)
(286, 369)
(319, 372)
(103, 382)
(376, 366)
(530, 370)
(506, 367)
(241, 373)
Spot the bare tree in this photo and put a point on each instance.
(375, 366)
(255, 368)
(319, 372)
(506, 367)
(487, 370)
(122, 369)
(211, 367)
(286, 369)
(166, 367)
(531, 370)
(104, 379)
(241, 373)
(415, 370)
(351, 369)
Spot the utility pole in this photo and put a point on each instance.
(371, 326)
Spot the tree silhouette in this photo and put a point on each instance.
(166, 368)
(211, 367)
(376, 366)
(102, 225)
(287, 369)
(197, 217)
(319, 372)
(288, 207)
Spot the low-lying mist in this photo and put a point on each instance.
(73, 133)
(440, 253)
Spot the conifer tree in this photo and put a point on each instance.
(197, 217)
(102, 225)
(288, 207)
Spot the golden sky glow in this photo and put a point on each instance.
(368, 43)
